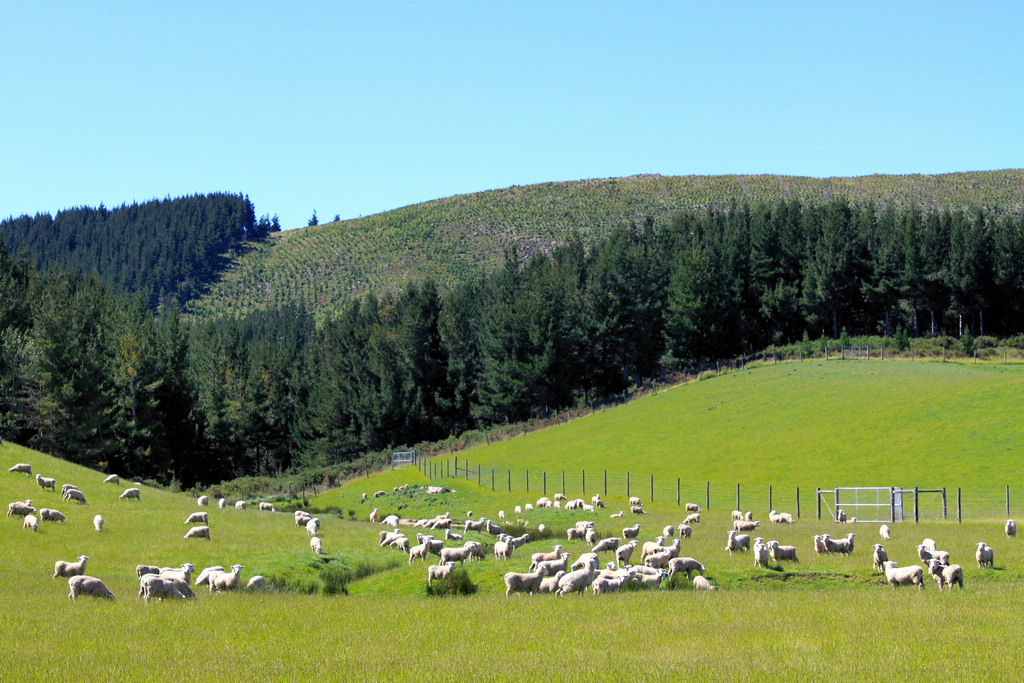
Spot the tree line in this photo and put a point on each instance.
(90, 373)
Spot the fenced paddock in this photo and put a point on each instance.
(867, 504)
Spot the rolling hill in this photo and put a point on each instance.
(454, 238)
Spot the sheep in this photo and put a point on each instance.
(541, 528)
(519, 541)
(316, 545)
(941, 555)
(143, 569)
(782, 552)
(596, 501)
(560, 496)
(475, 525)
(749, 516)
(879, 558)
(607, 544)
(946, 575)
(577, 581)
(624, 552)
(651, 547)
(544, 502)
(692, 519)
(555, 566)
(313, 526)
(669, 531)
(226, 581)
(267, 507)
(702, 584)
(736, 515)
(401, 543)
(97, 523)
(574, 504)
(537, 558)
(616, 515)
(439, 571)
(841, 516)
(380, 493)
(88, 585)
(761, 554)
(65, 488)
(883, 531)
(685, 564)
(222, 503)
(453, 555)
(840, 545)
(631, 532)
(20, 509)
(204, 576)
(501, 514)
(590, 537)
(48, 515)
(491, 528)
(780, 517)
(198, 518)
(1011, 528)
(737, 542)
(985, 555)
(654, 578)
(902, 576)
(449, 535)
(76, 495)
(112, 479)
(658, 560)
(634, 501)
(693, 507)
(584, 524)
(22, 467)
(528, 507)
(198, 532)
(131, 493)
(929, 544)
(203, 501)
(585, 559)
(257, 582)
(302, 518)
(611, 583)
(418, 552)
(46, 483)
(637, 510)
(386, 537)
(152, 586)
(61, 568)
(30, 522)
(685, 531)
(745, 525)
(502, 550)
(820, 545)
(240, 505)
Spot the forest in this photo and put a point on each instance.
(90, 373)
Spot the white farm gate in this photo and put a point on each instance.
(401, 459)
(880, 503)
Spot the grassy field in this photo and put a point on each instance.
(826, 616)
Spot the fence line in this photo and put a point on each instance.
(951, 503)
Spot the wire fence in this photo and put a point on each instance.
(951, 503)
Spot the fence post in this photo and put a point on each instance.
(492, 479)
(959, 516)
(835, 502)
(707, 495)
(627, 483)
(584, 479)
(798, 502)
(456, 466)
(917, 516)
(677, 492)
(818, 496)
(943, 503)
(770, 507)
(1007, 500)
(606, 482)
(737, 496)
(563, 482)
(478, 475)
(510, 481)
(652, 488)
(545, 483)
(527, 481)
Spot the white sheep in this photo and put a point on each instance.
(736, 515)
(537, 558)
(590, 536)
(143, 569)
(985, 555)
(503, 550)
(884, 532)
(184, 572)
(97, 523)
(46, 483)
(316, 545)
(65, 488)
(616, 515)
(449, 535)
(841, 516)
(702, 584)
(198, 518)
(669, 531)
(761, 554)
(749, 516)
(453, 555)
(153, 586)
(75, 495)
(22, 467)
(61, 568)
(1010, 528)
(745, 525)
(820, 545)
(941, 555)
(516, 582)
(606, 545)
(840, 545)
(131, 494)
(637, 510)
(222, 503)
(313, 526)
(631, 532)
(204, 576)
(88, 585)
(240, 505)
(199, 532)
(48, 515)
(577, 581)
(650, 577)
(946, 575)
(302, 518)
(418, 552)
(780, 517)
(544, 502)
(528, 507)
(226, 581)
(20, 509)
(256, 583)
(929, 544)
(782, 552)
(692, 519)
(651, 547)
(685, 564)
(585, 559)
(267, 507)
(879, 558)
(439, 571)
(379, 494)
(902, 576)
(685, 531)
(30, 522)
(596, 501)
(112, 479)
(375, 515)
(203, 501)
(554, 566)
(737, 542)
(624, 552)
(658, 560)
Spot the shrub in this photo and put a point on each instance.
(901, 338)
(456, 583)
(966, 343)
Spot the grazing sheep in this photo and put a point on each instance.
(401, 543)
(606, 583)
(650, 577)
(693, 507)
(267, 507)
(76, 495)
(941, 555)
(635, 501)
(313, 526)
(736, 515)
(685, 531)
(1011, 528)
(152, 586)
(702, 584)
(544, 502)
(749, 516)
(46, 483)
(222, 503)
(685, 564)
(316, 545)
(946, 575)
(840, 545)
(516, 582)
(780, 517)
(528, 507)
(439, 571)
(555, 566)
(929, 544)
(596, 501)
(61, 568)
(577, 581)
(590, 537)
(226, 581)
(112, 479)
(30, 522)
(501, 514)
(302, 518)
(883, 531)
(257, 583)
(903, 576)
(97, 523)
(985, 555)
(669, 531)
(198, 532)
(453, 555)
(48, 515)
(20, 509)
(631, 532)
(379, 494)
(658, 560)
(651, 547)
(204, 576)
(65, 488)
(585, 559)
(386, 537)
(143, 569)
(624, 552)
(541, 528)
(736, 542)
(782, 552)
(491, 528)
(363, 498)
(692, 519)
(203, 501)
(449, 535)
(879, 558)
(88, 585)
(240, 505)
(637, 510)
(537, 558)
(607, 544)
(131, 494)
(560, 496)
(198, 518)
(745, 525)
(22, 467)
(841, 516)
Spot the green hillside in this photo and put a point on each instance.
(451, 239)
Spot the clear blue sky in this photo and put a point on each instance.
(355, 108)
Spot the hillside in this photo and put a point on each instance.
(451, 239)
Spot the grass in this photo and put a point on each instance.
(347, 614)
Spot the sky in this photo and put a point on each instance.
(352, 108)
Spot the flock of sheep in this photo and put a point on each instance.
(154, 582)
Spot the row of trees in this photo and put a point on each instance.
(91, 374)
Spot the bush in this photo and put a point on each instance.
(966, 344)
(456, 583)
(901, 338)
